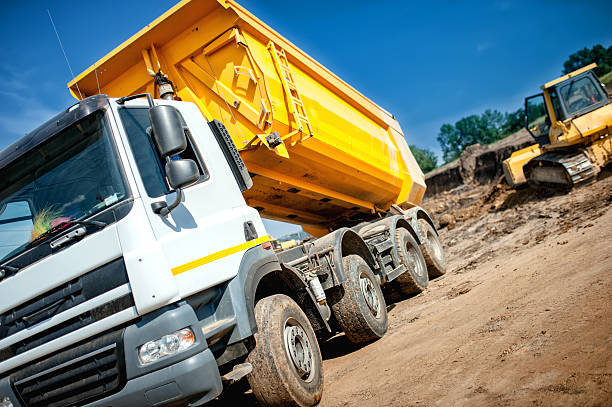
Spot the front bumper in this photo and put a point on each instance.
(190, 376)
(195, 377)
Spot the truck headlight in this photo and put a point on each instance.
(6, 402)
(166, 345)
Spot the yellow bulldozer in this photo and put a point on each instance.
(571, 121)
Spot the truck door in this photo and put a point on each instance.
(203, 238)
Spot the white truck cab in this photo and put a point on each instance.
(113, 293)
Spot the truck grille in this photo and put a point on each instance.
(60, 299)
(66, 296)
(76, 376)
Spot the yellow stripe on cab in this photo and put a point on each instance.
(219, 255)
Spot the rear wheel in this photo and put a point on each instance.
(432, 250)
(359, 305)
(414, 279)
(287, 364)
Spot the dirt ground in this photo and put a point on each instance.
(522, 318)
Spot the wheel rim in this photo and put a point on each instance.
(435, 247)
(298, 349)
(368, 290)
(414, 265)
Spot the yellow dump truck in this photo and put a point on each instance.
(572, 122)
(321, 154)
(134, 263)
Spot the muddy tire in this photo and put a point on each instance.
(287, 364)
(432, 250)
(415, 278)
(359, 305)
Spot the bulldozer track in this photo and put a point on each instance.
(559, 171)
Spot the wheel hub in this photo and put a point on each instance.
(413, 262)
(435, 247)
(369, 293)
(298, 348)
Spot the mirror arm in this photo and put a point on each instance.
(177, 201)
(162, 208)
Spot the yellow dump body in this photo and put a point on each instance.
(342, 157)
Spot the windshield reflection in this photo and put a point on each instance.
(72, 176)
(580, 94)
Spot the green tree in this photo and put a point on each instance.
(426, 159)
(598, 54)
(513, 122)
(448, 138)
(474, 129)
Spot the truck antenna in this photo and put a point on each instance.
(63, 51)
(97, 80)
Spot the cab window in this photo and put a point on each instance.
(537, 120)
(580, 94)
(556, 106)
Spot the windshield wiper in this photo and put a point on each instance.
(63, 225)
(73, 234)
(10, 270)
(7, 269)
(98, 224)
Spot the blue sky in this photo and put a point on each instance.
(428, 63)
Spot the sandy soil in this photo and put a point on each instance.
(522, 317)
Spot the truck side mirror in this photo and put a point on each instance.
(170, 139)
(168, 133)
(182, 173)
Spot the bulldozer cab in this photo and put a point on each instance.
(570, 121)
(565, 98)
(581, 94)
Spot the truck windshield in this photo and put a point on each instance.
(71, 176)
(580, 94)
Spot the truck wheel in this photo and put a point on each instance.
(359, 305)
(287, 364)
(432, 250)
(414, 279)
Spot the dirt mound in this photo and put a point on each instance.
(520, 319)
(498, 214)
(477, 164)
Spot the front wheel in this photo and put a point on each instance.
(287, 363)
(358, 304)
